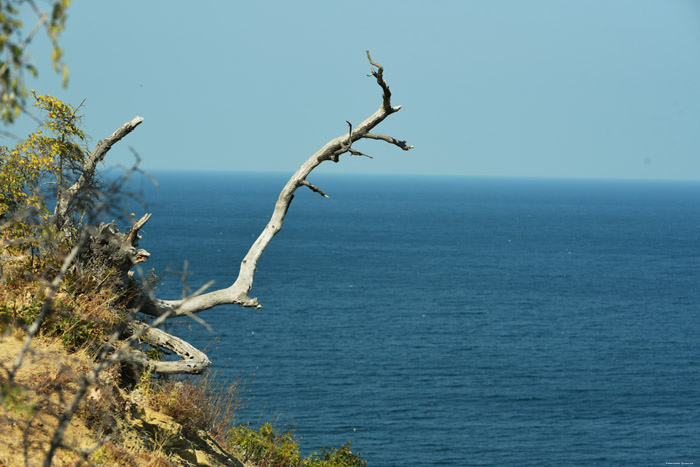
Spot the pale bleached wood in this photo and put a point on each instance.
(192, 360)
(238, 292)
(66, 198)
(124, 245)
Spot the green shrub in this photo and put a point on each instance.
(333, 457)
(265, 446)
(77, 321)
(269, 448)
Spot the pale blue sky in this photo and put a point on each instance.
(594, 88)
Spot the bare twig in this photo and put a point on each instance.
(379, 75)
(238, 292)
(65, 201)
(138, 225)
(347, 147)
(355, 152)
(402, 144)
(314, 188)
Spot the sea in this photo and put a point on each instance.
(451, 321)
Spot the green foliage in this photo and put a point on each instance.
(13, 54)
(270, 448)
(73, 329)
(22, 313)
(333, 457)
(14, 399)
(265, 446)
(145, 383)
(49, 157)
(155, 353)
(25, 168)
(80, 314)
(67, 320)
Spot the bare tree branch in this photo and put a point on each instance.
(314, 188)
(237, 293)
(66, 198)
(192, 360)
(355, 152)
(379, 74)
(104, 242)
(402, 144)
(348, 146)
(138, 225)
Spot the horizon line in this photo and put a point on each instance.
(429, 175)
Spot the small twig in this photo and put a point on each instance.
(314, 188)
(8, 134)
(238, 292)
(344, 146)
(379, 75)
(138, 225)
(402, 144)
(355, 152)
(347, 147)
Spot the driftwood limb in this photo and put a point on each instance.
(66, 198)
(314, 188)
(355, 152)
(402, 144)
(108, 245)
(238, 292)
(192, 360)
(138, 225)
(379, 75)
(348, 146)
(104, 243)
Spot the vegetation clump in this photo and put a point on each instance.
(69, 390)
(81, 378)
(270, 447)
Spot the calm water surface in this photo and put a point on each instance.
(454, 321)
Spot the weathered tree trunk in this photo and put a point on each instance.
(237, 293)
(121, 249)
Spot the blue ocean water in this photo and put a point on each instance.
(454, 321)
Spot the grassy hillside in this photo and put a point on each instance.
(122, 414)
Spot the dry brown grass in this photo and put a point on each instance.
(41, 388)
(48, 380)
(202, 403)
(55, 369)
(45, 383)
(80, 320)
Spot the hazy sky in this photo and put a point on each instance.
(594, 88)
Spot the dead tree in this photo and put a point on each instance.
(121, 249)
